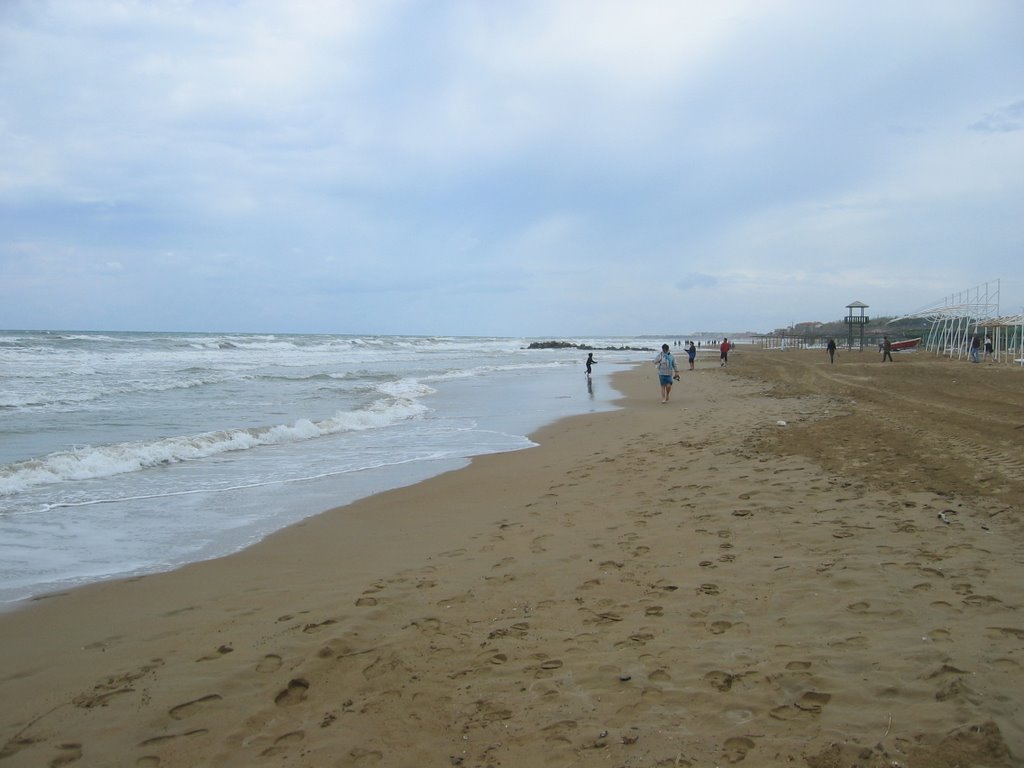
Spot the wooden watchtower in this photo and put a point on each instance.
(856, 321)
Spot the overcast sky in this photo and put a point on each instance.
(504, 168)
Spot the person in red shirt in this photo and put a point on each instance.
(724, 350)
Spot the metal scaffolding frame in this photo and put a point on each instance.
(1007, 334)
(959, 316)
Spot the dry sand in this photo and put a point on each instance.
(691, 584)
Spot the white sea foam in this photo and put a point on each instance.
(136, 452)
(91, 462)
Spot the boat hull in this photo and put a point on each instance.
(906, 344)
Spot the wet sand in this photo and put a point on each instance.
(791, 563)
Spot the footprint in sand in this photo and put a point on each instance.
(1006, 665)
(492, 713)
(269, 663)
(316, 627)
(221, 651)
(494, 658)
(547, 668)
(537, 545)
(190, 708)
(428, 625)
(654, 610)
(1008, 631)
(178, 611)
(455, 599)
(635, 640)
(809, 705)
(606, 617)
(325, 652)
(519, 629)
(857, 641)
(560, 731)
(282, 743)
(708, 589)
(736, 748)
(813, 701)
(172, 736)
(293, 694)
(980, 601)
(88, 701)
(362, 757)
(739, 716)
(720, 681)
(955, 690)
(718, 627)
(69, 753)
(504, 578)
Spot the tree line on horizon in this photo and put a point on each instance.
(878, 326)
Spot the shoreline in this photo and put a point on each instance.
(56, 537)
(646, 585)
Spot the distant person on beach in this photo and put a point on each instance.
(666, 371)
(988, 349)
(691, 353)
(831, 347)
(723, 355)
(975, 348)
(590, 362)
(886, 349)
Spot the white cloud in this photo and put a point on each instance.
(595, 162)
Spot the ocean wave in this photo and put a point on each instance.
(91, 462)
(485, 370)
(102, 389)
(219, 489)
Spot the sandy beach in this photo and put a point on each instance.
(790, 563)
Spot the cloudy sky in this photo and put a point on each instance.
(537, 167)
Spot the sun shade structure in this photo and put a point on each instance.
(959, 316)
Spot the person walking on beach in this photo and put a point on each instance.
(691, 353)
(723, 350)
(590, 362)
(831, 347)
(886, 349)
(666, 371)
(975, 348)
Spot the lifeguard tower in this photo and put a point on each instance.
(856, 321)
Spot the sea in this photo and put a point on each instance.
(131, 453)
